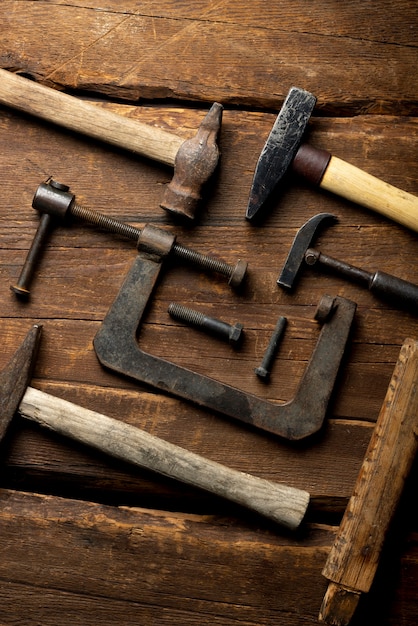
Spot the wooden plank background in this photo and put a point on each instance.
(87, 539)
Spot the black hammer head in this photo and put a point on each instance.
(280, 147)
(301, 243)
(16, 376)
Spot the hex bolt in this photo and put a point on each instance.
(223, 330)
(263, 370)
(54, 199)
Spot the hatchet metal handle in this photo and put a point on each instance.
(283, 504)
(354, 557)
(348, 181)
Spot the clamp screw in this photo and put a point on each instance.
(54, 199)
(214, 326)
(235, 274)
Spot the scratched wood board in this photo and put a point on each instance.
(82, 270)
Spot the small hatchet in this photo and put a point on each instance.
(283, 504)
(284, 150)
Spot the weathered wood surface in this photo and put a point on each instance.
(73, 556)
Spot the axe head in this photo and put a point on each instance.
(280, 147)
(302, 241)
(16, 376)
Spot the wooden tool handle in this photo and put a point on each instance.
(356, 185)
(353, 559)
(281, 503)
(82, 117)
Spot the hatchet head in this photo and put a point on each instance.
(281, 147)
(15, 377)
(302, 241)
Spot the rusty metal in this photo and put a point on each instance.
(15, 377)
(22, 287)
(231, 332)
(263, 370)
(399, 292)
(281, 147)
(195, 162)
(54, 200)
(117, 348)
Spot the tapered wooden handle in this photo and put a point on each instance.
(356, 185)
(353, 559)
(283, 504)
(85, 118)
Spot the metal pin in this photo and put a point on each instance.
(21, 288)
(263, 371)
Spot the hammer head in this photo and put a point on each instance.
(16, 376)
(195, 162)
(304, 237)
(280, 147)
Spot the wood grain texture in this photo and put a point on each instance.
(248, 55)
(113, 544)
(354, 557)
(87, 562)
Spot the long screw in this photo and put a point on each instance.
(223, 330)
(263, 370)
(54, 199)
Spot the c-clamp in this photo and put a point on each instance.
(117, 347)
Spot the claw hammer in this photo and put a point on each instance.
(194, 160)
(283, 504)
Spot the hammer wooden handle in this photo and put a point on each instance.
(353, 559)
(354, 184)
(82, 117)
(350, 182)
(283, 504)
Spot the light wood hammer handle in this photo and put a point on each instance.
(354, 184)
(283, 504)
(353, 559)
(82, 117)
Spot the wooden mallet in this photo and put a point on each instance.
(354, 557)
(194, 159)
(281, 503)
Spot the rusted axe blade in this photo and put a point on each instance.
(15, 377)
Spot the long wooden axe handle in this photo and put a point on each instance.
(354, 557)
(283, 504)
(194, 159)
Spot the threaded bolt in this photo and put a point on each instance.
(223, 330)
(263, 371)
